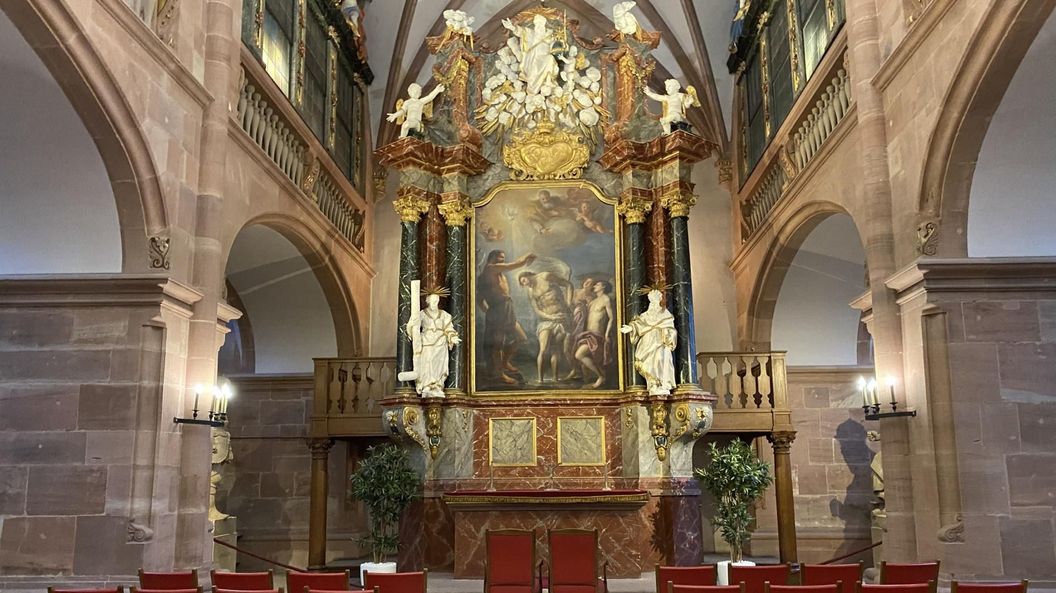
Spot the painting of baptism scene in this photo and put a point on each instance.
(545, 308)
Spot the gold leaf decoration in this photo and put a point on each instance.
(545, 153)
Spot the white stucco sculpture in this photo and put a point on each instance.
(653, 335)
(410, 111)
(625, 22)
(532, 45)
(675, 102)
(459, 22)
(222, 454)
(432, 334)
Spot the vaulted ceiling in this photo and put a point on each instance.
(694, 37)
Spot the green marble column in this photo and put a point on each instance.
(410, 208)
(633, 211)
(682, 300)
(456, 303)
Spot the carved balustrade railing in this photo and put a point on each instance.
(348, 392)
(751, 387)
(273, 125)
(761, 201)
(825, 102)
(828, 111)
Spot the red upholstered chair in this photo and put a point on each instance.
(830, 574)
(832, 588)
(279, 590)
(684, 575)
(900, 588)
(194, 590)
(755, 577)
(307, 590)
(509, 564)
(574, 562)
(397, 582)
(329, 581)
(673, 588)
(242, 581)
(167, 580)
(907, 574)
(117, 589)
(1020, 587)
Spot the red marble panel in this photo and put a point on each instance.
(439, 534)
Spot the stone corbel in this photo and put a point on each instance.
(927, 237)
(658, 428)
(691, 421)
(159, 251)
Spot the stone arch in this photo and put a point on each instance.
(781, 250)
(317, 250)
(989, 64)
(57, 37)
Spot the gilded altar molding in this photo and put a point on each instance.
(433, 432)
(411, 417)
(456, 211)
(544, 152)
(658, 428)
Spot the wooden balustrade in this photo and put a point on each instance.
(274, 126)
(751, 387)
(348, 392)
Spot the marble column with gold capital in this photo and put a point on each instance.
(457, 211)
(634, 207)
(678, 202)
(411, 204)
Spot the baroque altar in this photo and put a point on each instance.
(544, 207)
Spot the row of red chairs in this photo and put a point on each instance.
(264, 582)
(817, 578)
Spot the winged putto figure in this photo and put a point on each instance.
(675, 102)
(410, 111)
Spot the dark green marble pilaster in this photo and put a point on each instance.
(634, 269)
(682, 303)
(456, 303)
(408, 272)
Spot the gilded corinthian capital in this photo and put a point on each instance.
(634, 208)
(678, 203)
(410, 206)
(456, 211)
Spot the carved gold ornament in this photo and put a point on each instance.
(545, 153)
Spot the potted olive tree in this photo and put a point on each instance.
(736, 478)
(387, 484)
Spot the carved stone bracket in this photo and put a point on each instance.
(692, 420)
(138, 533)
(159, 252)
(927, 237)
(952, 534)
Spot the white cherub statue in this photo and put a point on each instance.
(410, 111)
(653, 334)
(458, 22)
(625, 22)
(675, 102)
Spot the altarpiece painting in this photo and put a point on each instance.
(546, 289)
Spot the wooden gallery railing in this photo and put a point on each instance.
(274, 126)
(348, 392)
(824, 104)
(752, 390)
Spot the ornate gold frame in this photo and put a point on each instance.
(601, 421)
(617, 290)
(535, 439)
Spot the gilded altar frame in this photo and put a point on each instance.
(618, 291)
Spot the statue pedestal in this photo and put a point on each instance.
(225, 531)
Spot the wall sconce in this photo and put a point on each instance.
(217, 409)
(871, 400)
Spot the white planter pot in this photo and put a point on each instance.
(723, 569)
(374, 567)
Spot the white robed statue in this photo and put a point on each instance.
(653, 335)
(538, 67)
(432, 335)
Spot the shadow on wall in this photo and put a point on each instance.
(854, 509)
